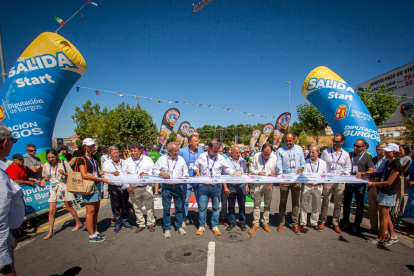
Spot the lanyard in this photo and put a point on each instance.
(385, 169)
(358, 159)
(115, 165)
(50, 169)
(189, 156)
(379, 163)
(137, 165)
(208, 165)
(171, 164)
(310, 164)
(293, 153)
(264, 162)
(93, 164)
(232, 162)
(333, 159)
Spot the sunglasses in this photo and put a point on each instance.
(356, 146)
(30, 150)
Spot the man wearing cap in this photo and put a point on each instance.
(312, 192)
(168, 166)
(190, 155)
(264, 164)
(337, 162)
(33, 163)
(290, 160)
(211, 164)
(18, 172)
(236, 191)
(361, 163)
(11, 206)
(141, 195)
(119, 196)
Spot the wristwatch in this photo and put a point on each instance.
(5, 269)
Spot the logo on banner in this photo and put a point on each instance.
(2, 115)
(256, 133)
(284, 121)
(172, 117)
(340, 112)
(184, 128)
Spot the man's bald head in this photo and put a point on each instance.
(235, 153)
(290, 140)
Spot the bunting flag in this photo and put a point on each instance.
(61, 22)
(175, 102)
(93, 3)
(83, 16)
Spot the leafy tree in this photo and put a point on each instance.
(408, 133)
(381, 104)
(173, 136)
(311, 119)
(297, 128)
(120, 126)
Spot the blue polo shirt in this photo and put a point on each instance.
(190, 157)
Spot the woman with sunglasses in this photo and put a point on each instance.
(56, 172)
(387, 190)
(88, 166)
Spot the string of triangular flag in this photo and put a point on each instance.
(97, 91)
(62, 23)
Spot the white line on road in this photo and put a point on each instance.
(211, 258)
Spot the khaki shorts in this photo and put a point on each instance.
(59, 193)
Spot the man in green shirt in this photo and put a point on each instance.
(154, 154)
(62, 153)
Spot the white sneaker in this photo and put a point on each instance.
(181, 231)
(167, 234)
(184, 225)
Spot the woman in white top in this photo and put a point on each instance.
(56, 172)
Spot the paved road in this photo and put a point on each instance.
(284, 253)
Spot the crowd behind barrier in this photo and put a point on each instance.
(221, 175)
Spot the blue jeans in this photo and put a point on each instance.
(359, 191)
(169, 192)
(187, 193)
(204, 193)
(239, 192)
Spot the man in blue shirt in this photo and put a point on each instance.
(190, 155)
(290, 160)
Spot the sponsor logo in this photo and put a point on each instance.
(360, 131)
(321, 83)
(172, 117)
(25, 129)
(2, 115)
(30, 105)
(340, 112)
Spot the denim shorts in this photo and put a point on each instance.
(386, 200)
(95, 197)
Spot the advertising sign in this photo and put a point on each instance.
(267, 130)
(280, 126)
(253, 139)
(37, 200)
(341, 107)
(401, 80)
(182, 132)
(168, 122)
(35, 89)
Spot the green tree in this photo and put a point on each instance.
(408, 133)
(312, 120)
(381, 104)
(120, 126)
(173, 136)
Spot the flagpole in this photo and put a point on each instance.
(71, 17)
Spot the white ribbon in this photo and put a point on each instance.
(136, 180)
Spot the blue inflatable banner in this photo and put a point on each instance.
(35, 89)
(37, 200)
(341, 107)
(409, 208)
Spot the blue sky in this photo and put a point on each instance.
(234, 54)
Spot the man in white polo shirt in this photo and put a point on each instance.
(210, 164)
(312, 192)
(141, 195)
(264, 164)
(119, 196)
(168, 166)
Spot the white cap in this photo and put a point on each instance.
(392, 147)
(88, 142)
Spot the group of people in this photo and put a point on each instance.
(385, 173)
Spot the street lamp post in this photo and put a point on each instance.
(289, 105)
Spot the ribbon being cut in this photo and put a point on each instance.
(136, 180)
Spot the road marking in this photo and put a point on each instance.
(61, 220)
(211, 258)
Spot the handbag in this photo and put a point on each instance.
(75, 184)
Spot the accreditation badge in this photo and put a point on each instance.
(292, 163)
(53, 182)
(191, 166)
(355, 168)
(333, 166)
(95, 173)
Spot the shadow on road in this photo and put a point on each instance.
(70, 272)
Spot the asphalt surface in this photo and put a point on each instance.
(236, 253)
